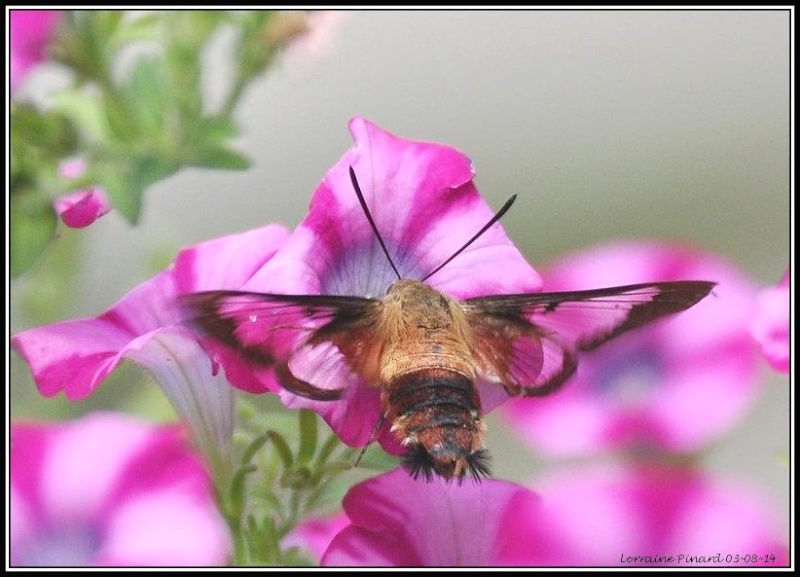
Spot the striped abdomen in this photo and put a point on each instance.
(436, 414)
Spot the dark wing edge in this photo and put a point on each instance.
(268, 330)
(597, 315)
(551, 328)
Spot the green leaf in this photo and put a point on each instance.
(50, 286)
(126, 178)
(146, 97)
(253, 448)
(84, 111)
(308, 436)
(320, 463)
(185, 35)
(84, 43)
(219, 158)
(120, 119)
(137, 28)
(44, 134)
(206, 145)
(282, 448)
(254, 49)
(32, 226)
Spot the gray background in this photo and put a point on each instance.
(607, 124)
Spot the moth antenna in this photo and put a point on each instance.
(371, 221)
(486, 226)
(372, 437)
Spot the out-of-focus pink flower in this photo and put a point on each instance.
(29, 33)
(643, 516)
(145, 326)
(426, 207)
(81, 208)
(109, 490)
(314, 535)
(674, 385)
(770, 327)
(321, 29)
(397, 521)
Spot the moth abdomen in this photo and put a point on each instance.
(436, 414)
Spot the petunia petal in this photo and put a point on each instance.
(314, 535)
(653, 386)
(167, 528)
(770, 325)
(75, 356)
(227, 262)
(200, 395)
(642, 516)
(425, 207)
(397, 521)
(110, 489)
(81, 208)
(30, 32)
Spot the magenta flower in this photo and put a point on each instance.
(587, 517)
(646, 516)
(397, 521)
(314, 535)
(426, 207)
(75, 356)
(109, 490)
(770, 326)
(81, 208)
(30, 32)
(675, 385)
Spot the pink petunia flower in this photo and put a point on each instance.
(397, 521)
(650, 515)
(314, 535)
(426, 207)
(110, 490)
(770, 326)
(81, 208)
(642, 516)
(675, 385)
(145, 326)
(30, 32)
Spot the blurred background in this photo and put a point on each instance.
(670, 125)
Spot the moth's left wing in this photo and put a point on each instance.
(303, 338)
(529, 343)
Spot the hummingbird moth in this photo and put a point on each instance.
(424, 350)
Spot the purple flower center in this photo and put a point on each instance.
(363, 270)
(73, 546)
(628, 375)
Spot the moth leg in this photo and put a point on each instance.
(372, 437)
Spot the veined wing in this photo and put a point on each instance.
(284, 331)
(529, 343)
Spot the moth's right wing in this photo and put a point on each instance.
(530, 343)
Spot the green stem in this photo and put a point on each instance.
(235, 94)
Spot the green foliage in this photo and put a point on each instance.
(288, 470)
(136, 111)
